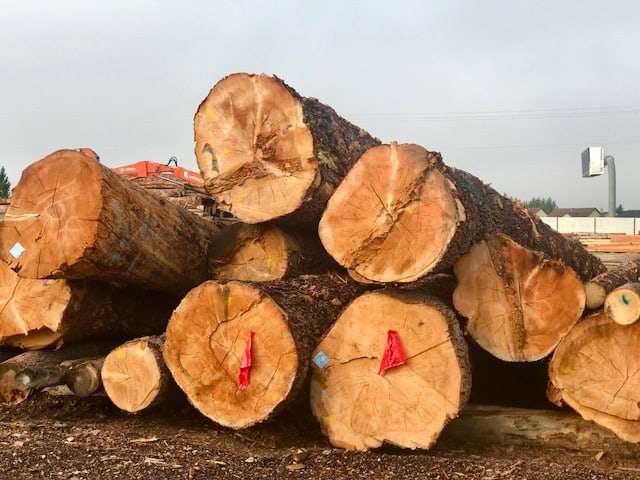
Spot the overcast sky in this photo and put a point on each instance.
(511, 91)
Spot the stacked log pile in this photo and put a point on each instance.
(338, 270)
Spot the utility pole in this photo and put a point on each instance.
(593, 162)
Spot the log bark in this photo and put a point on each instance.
(519, 304)
(71, 217)
(42, 366)
(267, 153)
(218, 328)
(623, 304)
(135, 377)
(401, 213)
(83, 376)
(36, 314)
(598, 287)
(358, 407)
(594, 371)
(263, 253)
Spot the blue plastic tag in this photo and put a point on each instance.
(321, 360)
(16, 250)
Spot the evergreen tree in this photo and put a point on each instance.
(545, 204)
(5, 184)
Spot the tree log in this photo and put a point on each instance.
(71, 217)
(41, 367)
(594, 370)
(623, 304)
(518, 303)
(267, 153)
(358, 407)
(598, 287)
(36, 314)
(135, 377)
(83, 376)
(264, 253)
(241, 351)
(401, 213)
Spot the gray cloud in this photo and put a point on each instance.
(511, 91)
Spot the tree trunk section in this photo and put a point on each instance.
(598, 287)
(623, 304)
(401, 213)
(408, 405)
(135, 377)
(43, 363)
(36, 314)
(210, 332)
(71, 217)
(267, 153)
(264, 253)
(519, 304)
(83, 376)
(594, 370)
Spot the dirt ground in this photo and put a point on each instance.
(70, 438)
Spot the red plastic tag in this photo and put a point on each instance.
(393, 353)
(244, 375)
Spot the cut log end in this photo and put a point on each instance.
(207, 339)
(370, 223)
(408, 405)
(263, 254)
(84, 378)
(594, 370)
(623, 304)
(519, 304)
(595, 295)
(253, 148)
(132, 375)
(47, 201)
(22, 301)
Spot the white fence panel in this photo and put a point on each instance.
(615, 225)
(576, 224)
(627, 226)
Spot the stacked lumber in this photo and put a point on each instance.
(337, 271)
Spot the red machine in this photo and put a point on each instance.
(146, 168)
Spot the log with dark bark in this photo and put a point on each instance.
(83, 376)
(417, 338)
(595, 369)
(267, 153)
(41, 368)
(401, 213)
(70, 217)
(263, 253)
(135, 377)
(241, 351)
(598, 287)
(623, 304)
(36, 314)
(518, 303)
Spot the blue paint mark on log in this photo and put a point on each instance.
(115, 257)
(624, 299)
(133, 263)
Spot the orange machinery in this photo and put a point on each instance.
(147, 168)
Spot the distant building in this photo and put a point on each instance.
(537, 211)
(629, 214)
(575, 212)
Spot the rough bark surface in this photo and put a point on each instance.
(70, 217)
(401, 213)
(135, 377)
(598, 287)
(623, 304)
(358, 407)
(41, 360)
(595, 371)
(518, 303)
(36, 314)
(264, 253)
(267, 153)
(208, 335)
